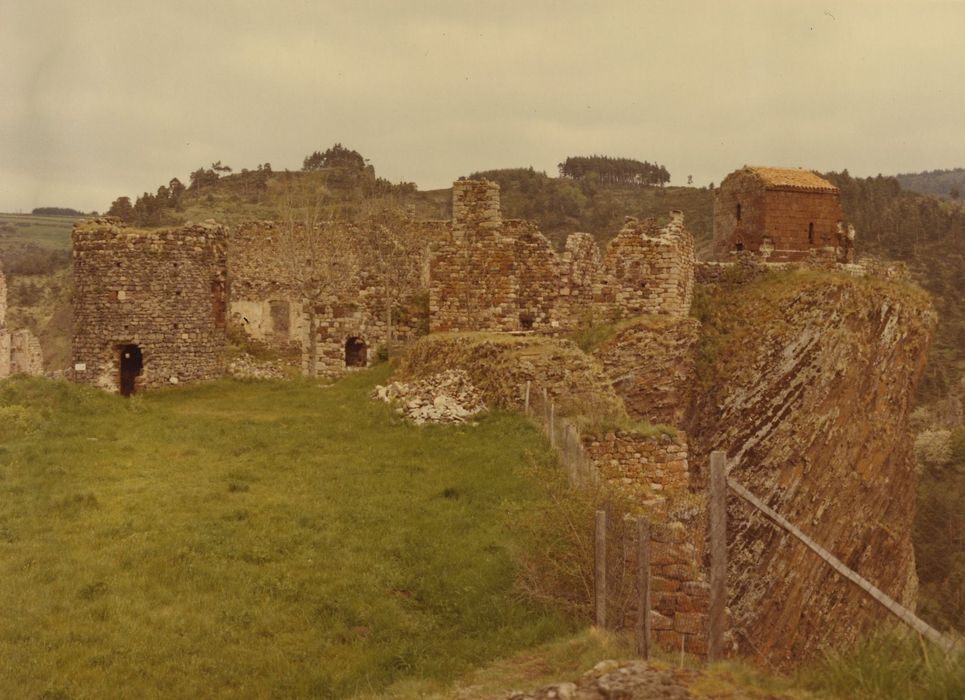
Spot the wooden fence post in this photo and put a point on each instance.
(552, 423)
(718, 555)
(527, 398)
(643, 588)
(599, 578)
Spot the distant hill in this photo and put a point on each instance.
(947, 184)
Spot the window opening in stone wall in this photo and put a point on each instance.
(131, 363)
(280, 318)
(738, 212)
(526, 320)
(356, 353)
(219, 304)
(811, 234)
(739, 247)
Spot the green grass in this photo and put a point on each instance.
(50, 232)
(255, 540)
(889, 666)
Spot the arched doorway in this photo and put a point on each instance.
(131, 365)
(356, 353)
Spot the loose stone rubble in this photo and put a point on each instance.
(446, 397)
(635, 680)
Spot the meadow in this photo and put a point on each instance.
(256, 540)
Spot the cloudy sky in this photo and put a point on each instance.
(102, 98)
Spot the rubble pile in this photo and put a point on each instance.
(446, 397)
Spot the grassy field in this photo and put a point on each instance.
(51, 232)
(255, 540)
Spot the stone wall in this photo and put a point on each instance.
(160, 293)
(267, 306)
(776, 222)
(653, 473)
(19, 350)
(649, 270)
(25, 353)
(497, 275)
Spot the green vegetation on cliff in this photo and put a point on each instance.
(255, 540)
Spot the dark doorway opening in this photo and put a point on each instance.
(356, 353)
(131, 365)
(526, 320)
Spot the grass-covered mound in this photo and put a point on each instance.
(254, 540)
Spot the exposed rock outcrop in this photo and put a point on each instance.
(808, 381)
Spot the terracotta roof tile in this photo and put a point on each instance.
(791, 178)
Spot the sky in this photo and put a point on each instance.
(100, 99)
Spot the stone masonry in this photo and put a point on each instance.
(149, 306)
(19, 350)
(504, 275)
(265, 306)
(780, 214)
(652, 472)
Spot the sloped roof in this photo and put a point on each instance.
(790, 179)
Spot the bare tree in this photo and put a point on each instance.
(395, 252)
(319, 256)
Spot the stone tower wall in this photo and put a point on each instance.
(164, 291)
(505, 276)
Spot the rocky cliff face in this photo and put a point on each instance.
(806, 384)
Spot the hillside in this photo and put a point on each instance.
(948, 184)
(35, 257)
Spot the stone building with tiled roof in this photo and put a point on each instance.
(781, 214)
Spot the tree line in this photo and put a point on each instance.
(56, 211)
(610, 170)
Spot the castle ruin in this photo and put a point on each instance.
(504, 275)
(19, 349)
(149, 306)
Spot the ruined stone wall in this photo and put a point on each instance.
(19, 349)
(25, 353)
(164, 291)
(580, 282)
(266, 305)
(653, 473)
(499, 275)
(651, 365)
(649, 270)
(538, 276)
